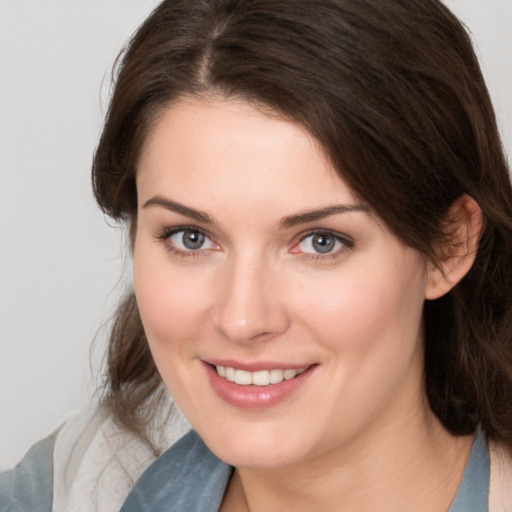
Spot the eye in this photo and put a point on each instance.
(188, 240)
(322, 242)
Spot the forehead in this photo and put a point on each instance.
(210, 149)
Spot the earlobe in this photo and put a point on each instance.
(456, 256)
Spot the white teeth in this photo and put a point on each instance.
(258, 378)
(289, 374)
(276, 376)
(230, 374)
(242, 377)
(261, 378)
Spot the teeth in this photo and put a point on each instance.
(276, 376)
(243, 377)
(261, 378)
(289, 374)
(258, 378)
(230, 374)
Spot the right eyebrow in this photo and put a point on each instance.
(321, 213)
(174, 206)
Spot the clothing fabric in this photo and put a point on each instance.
(89, 465)
(29, 487)
(190, 477)
(473, 493)
(92, 465)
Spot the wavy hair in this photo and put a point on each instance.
(394, 94)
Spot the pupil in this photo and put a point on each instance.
(323, 243)
(193, 239)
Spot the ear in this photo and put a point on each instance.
(457, 254)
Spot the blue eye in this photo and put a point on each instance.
(320, 243)
(190, 239)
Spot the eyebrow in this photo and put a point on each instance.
(197, 215)
(322, 213)
(286, 222)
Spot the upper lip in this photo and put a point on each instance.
(256, 366)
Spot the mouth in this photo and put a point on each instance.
(257, 378)
(258, 385)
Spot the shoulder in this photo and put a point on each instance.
(89, 464)
(28, 487)
(97, 462)
(188, 476)
(500, 492)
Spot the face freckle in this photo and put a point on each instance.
(252, 255)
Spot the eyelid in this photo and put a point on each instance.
(165, 234)
(169, 231)
(345, 240)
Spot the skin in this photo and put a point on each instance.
(358, 431)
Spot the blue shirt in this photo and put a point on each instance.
(189, 477)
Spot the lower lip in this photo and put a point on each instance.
(255, 397)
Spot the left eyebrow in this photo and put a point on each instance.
(174, 206)
(322, 213)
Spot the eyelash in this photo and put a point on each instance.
(346, 243)
(166, 234)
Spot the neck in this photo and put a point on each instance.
(387, 470)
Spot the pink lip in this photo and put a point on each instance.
(255, 397)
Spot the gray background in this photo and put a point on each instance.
(61, 264)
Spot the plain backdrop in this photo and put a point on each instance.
(62, 265)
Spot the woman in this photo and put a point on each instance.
(320, 218)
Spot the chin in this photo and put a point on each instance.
(249, 457)
(264, 449)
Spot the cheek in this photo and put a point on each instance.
(172, 304)
(368, 322)
(368, 307)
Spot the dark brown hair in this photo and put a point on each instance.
(394, 94)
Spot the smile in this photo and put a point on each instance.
(256, 385)
(257, 378)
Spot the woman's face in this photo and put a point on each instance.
(254, 261)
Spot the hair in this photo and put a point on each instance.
(394, 94)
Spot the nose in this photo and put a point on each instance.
(248, 306)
